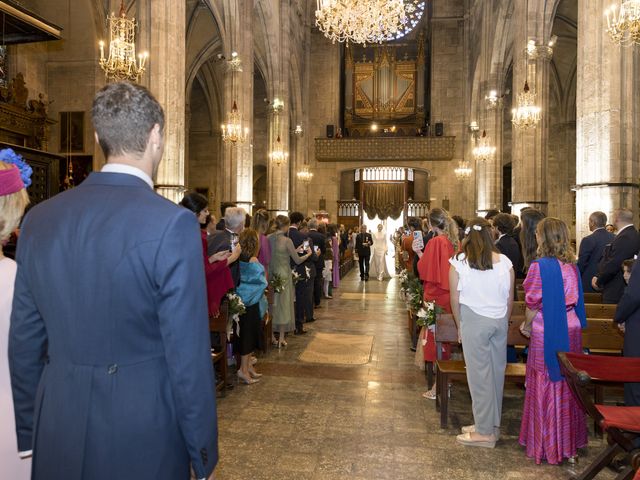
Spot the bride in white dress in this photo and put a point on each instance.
(378, 267)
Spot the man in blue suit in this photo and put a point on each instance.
(109, 344)
(591, 248)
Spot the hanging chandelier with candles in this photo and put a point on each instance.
(232, 131)
(526, 114)
(278, 155)
(484, 150)
(623, 25)
(362, 21)
(463, 171)
(122, 63)
(304, 174)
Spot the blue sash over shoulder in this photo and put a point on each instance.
(554, 313)
(253, 283)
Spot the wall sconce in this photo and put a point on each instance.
(298, 131)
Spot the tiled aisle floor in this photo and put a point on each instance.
(306, 421)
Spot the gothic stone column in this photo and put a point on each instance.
(163, 22)
(237, 160)
(607, 101)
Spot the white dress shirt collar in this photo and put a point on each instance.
(626, 226)
(128, 170)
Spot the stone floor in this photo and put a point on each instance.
(307, 421)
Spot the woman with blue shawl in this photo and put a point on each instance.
(253, 283)
(553, 424)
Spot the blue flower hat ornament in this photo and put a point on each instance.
(7, 155)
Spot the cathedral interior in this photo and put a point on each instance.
(471, 106)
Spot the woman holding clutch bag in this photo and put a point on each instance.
(553, 425)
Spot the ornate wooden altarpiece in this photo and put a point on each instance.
(24, 127)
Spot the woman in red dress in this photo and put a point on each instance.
(216, 266)
(433, 268)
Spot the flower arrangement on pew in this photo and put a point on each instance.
(277, 283)
(411, 291)
(427, 314)
(236, 308)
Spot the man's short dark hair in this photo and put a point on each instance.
(414, 222)
(491, 214)
(599, 219)
(504, 223)
(295, 218)
(123, 116)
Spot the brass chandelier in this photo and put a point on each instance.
(463, 171)
(484, 150)
(304, 174)
(232, 131)
(623, 25)
(278, 155)
(362, 21)
(527, 113)
(122, 64)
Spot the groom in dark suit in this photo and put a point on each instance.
(109, 342)
(364, 241)
(592, 247)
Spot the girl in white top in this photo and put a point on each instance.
(481, 282)
(13, 200)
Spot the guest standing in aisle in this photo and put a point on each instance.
(227, 239)
(216, 267)
(335, 247)
(481, 282)
(253, 283)
(553, 425)
(260, 223)
(592, 247)
(319, 245)
(626, 244)
(13, 200)
(109, 343)
(282, 253)
(627, 317)
(433, 267)
(306, 270)
(363, 247)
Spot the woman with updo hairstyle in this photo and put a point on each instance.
(553, 425)
(529, 219)
(481, 281)
(216, 266)
(282, 252)
(433, 268)
(13, 201)
(253, 283)
(260, 223)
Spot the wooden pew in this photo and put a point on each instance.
(589, 297)
(218, 325)
(601, 335)
(446, 332)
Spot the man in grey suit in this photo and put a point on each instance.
(591, 248)
(108, 345)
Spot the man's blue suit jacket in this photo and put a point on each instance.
(109, 345)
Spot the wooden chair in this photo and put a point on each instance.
(622, 424)
(446, 332)
(218, 326)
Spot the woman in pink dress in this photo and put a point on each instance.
(260, 223)
(13, 200)
(553, 425)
